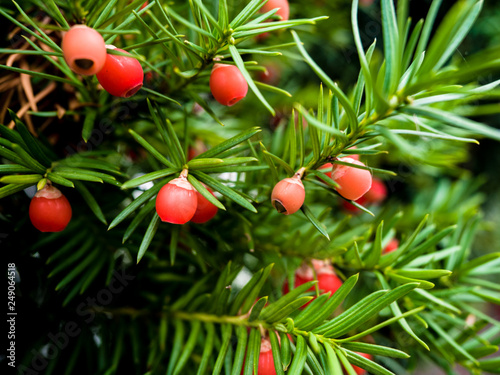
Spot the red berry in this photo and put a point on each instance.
(176, 201)
(271, 75)
(266, 360)
(84, 50)
(377, 192)
(121, 75)
(359, 370)
(328, 281)
(353, 156)
(283, 11)
(326, 169)
(196, 149)
(50, 210)
(288, 195)
(391, 246)
(227, 84)
(353, 182)
(204, 210)
(349, 207)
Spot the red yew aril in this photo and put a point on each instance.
(353, 182)
(121, 75)
(271, 75)
(328, 281)
(349, 207)
(288, 195)
(50, 210)
(359, 370)
(204, 210)
(391, 246)
(176, 202)
(266, 360)
(227, 84)
(283, 11)
(326, 169)
(377, 192)
(84, 50)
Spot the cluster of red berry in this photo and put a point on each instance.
(86, 53)
(288, 195)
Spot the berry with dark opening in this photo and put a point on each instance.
(391, 246)
(288, 195)
(204, 210)
(50, 210)
(84, 50)
(176, 202)
(283, 11)
(353, 182)
(227, 84)
(121, 75)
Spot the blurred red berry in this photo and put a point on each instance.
(377, 192)
(50, 210)
(359, 370)
(271, 75)
(84, 50)
(197, 148)
(204, 210)
(283, 11)
(227, 84)
(176, 202)
(121, 75)
(391, 246)
(288, 195)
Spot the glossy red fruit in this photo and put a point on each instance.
(359, 370)
(84, 50)
(50, 210)
(227, 84)
(266, 360)
(353, 182)
(121, 75)
(391, 246)
(204, 210)
(283, 11)
(288, 195)
(377, 192)
(176, 202)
